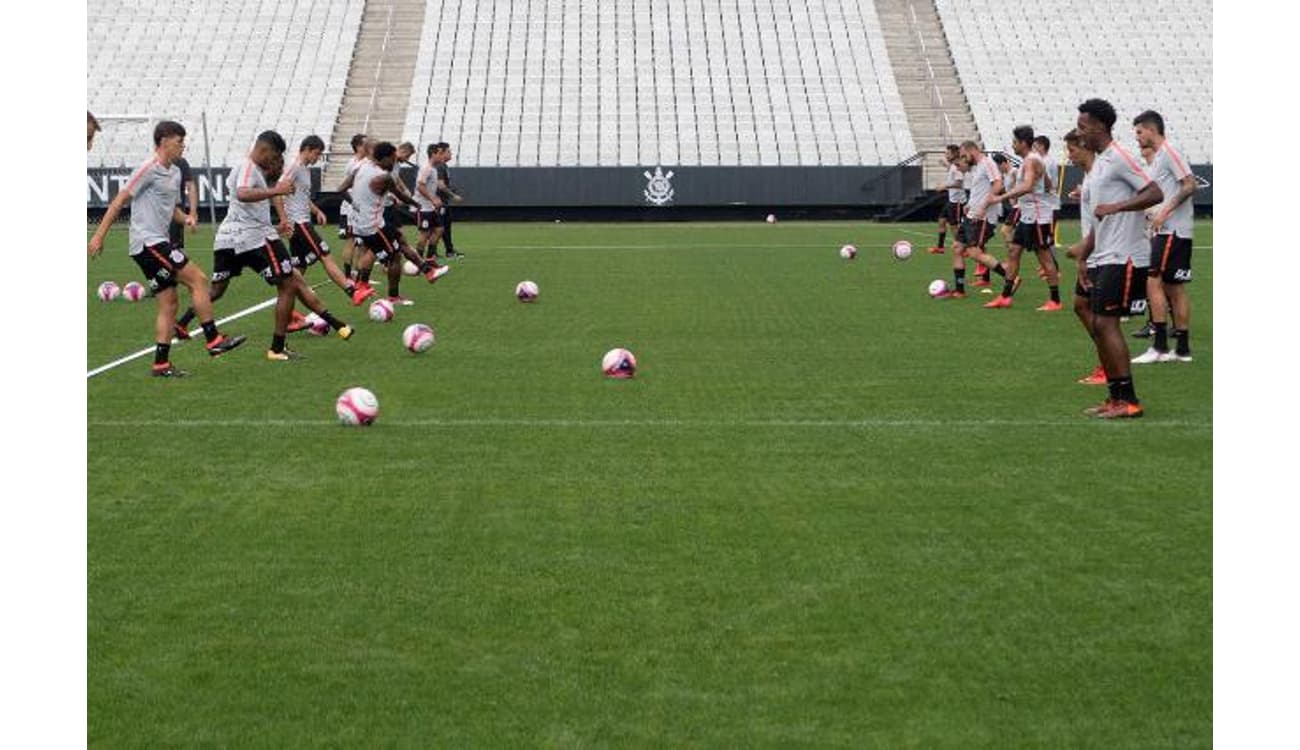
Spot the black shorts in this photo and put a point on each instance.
(974, 232)
(176, 233)
(1119, 289)
(1032, 236)
(1171, 258)
(161, 264)
(383, 244)
(272, 261)
(396, 217)
(952, 212)
(306, 245)
(1010, 215)
(429, 219)
(1079, 291)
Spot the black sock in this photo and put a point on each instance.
(364, 276)
(984, 277)
(959, 278)
(1112, 386)
(350, 289)
(210, 331)
(334, 322)
(161, 353)
(943, 236)
(184, 320)
(1055, 291)
(1124, 387)
(277, 343)
(392, 290)
(1160, 341)
(1181, 345)
(347, 270)
(999, 270)
(1008, 288)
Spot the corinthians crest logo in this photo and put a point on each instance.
(659, 187)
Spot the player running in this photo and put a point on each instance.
(154, 194)
(1171, 247)
(956, 203)
(1117, 251)
(361, 146)
(981, 214)
(380, 242)
(1034, 224)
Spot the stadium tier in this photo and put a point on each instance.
(250, 64)
(644, 82)
(1034, 61)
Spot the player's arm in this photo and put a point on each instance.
(192, 192)
(1033, 170)
(385, 183)
(96, 245)
(1186, 187)
(451, 194)
(285, 228)
(347, 182)
(316, 212)
(993, 198)
(1145, 198)
(253, 195)
(429, 195)
(179, 216)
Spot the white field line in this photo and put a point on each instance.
(136, 355)
(901, 423)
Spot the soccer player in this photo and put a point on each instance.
(360, 152)
(426, 195)
(1043, 147)
(247, 239)
(92, 127)
(1171, 247)
(448, 195)
(1083, 158)
(1033, 225)
(297, 210)
(153, 192)
(383, 243)
(393, 218)
(981, 215)
(1010, 178)
(956, 203)
(1117, 249)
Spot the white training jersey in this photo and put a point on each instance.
(247, 225)
(1116, 177)
(367, 205)
(955, 177)
(428, 177)
(1168, 169)
(1087, 221)
(1033, 205)
(353, 165)
(982, 176)
(155, 190)
(1053, 182)
(297, 205)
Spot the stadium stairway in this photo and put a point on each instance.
(927, 80)
(379, 79)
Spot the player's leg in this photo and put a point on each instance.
(197, 282)
(1083, 310)
(959, 263)
(1116, 293)
(1157, 304)
(313, 302)
(167, 304)
(943, 229)
(1176, 277)
(224, 267)
(447, 243)
(1052, 275)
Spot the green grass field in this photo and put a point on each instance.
(828, 512)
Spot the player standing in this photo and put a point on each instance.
(153, 192)
(429, 221)
(956, 201)
(449, 197)
(1083, 158)
(1171, 245)
(1033, 225)
(1118, 250)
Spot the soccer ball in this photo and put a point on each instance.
(409, 268)
(133, 291)
(357, 406)
(771, 218)
(848, 252)
(618, 363)
(108, 291)
(417, 338)
(316, 324)
(902, 250)
(938, 288)
(381, 311)
(526, 291)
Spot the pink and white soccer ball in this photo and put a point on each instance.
(771, 218)
(357, 406)
(526, 291)
(133, 291)
(618, 363)
(417, 338)
(902, 250)
(381, 311)
(938, 288)
(316, 325)
(409, 268)
(848, 252)
(108, 291)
